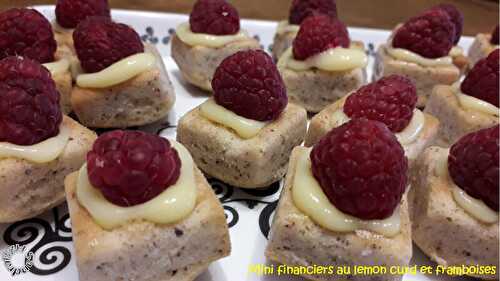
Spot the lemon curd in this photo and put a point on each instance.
(173, 204)
(407, 136)
(58, 67)
(334, 59)
(311, 200)
(185, 34)
(473, 103)
(244, 127)
(285, 27)
(118, 72)
(474, 207)
(42, 152)
(412, 57)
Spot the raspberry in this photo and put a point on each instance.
(494, 36)
(100, 42)
(362, 169)
(473, 165)
(302, 9)
(482, 81)
(430, 34)
(27, 33)
(216, 17)
(69, 13)
(318, 34)
(456, 17)
(390, 100)
(249, 84)
(132, 167)
(29, 102)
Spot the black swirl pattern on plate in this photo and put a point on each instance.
(232, 216)
(227, 194)
(265, 218)
(151, 38)
(370, 51)
(27, 231)
(257, 37)
(167, 38)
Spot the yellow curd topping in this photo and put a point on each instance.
(172, 205)
(442, 165)
(335, 59)
(244, 127)
(409, 56)
(311, 200)
(185, 34)
(456, 51)
(75, 67)
(41, 152)
(285, 27)
(407, 136)
(473, 103)
(412, 131)
(118, 72)
(476, 104)
(58, 67)
(474, 207)
(339, 117)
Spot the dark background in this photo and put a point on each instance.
(480, 15)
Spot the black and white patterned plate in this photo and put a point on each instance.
(41, 248)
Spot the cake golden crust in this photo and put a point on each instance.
(424, 78)
(455, 121)
(282, 41)
(198, 63)
(247, 163)
(64, 85)
(480, 48)
(64, 39)
(436, 218)
(28, 189)
(296, 240)
(315, 89)
(142, 100)
(174, 252)
(64, 80)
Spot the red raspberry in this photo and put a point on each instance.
(473, 165)
(27, 33)
(216, 17)
(482, 81)
(249, 84)
(362, 169)
(494, 36)
(69, 13)
(132, 167)
(100, 42)
(302, 9)
(456, 17)
(318, 34)
(29, 102)
(390, 100)
(430, 34)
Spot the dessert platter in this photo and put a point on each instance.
(153, 146)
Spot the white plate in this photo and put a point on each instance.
(248, 212)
